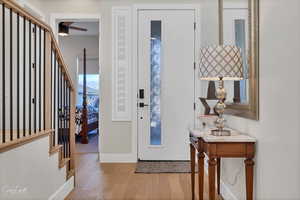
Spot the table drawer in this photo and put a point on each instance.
(229, 149)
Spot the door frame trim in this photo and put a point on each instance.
(135, 11)
(90, 18)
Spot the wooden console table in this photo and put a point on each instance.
(216, 147)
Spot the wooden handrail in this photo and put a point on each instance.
(22, 12)
(21, 141)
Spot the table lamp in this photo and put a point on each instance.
(219, 63)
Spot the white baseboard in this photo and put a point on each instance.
(226, 193)
(64, 190)
(118, 158)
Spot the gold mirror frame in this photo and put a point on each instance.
(250, 110)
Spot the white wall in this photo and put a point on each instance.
(277, 170)
(209, 36)
(278, 148)
(28, 172)
(72, 47)
(116, 136)
(32, 9)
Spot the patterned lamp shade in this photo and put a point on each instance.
(221, 61)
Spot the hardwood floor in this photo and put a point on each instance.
(91, 147)
(96, 181)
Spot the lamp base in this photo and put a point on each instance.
(217, 132)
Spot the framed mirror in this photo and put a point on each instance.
(239, 25)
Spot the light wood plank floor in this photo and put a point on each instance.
(91, 147)
(96, 181)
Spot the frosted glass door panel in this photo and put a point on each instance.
(155, 83)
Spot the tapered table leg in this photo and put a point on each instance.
(192, 151)
(212, 178)
(201, 174)
(249, 165)
(219, 174)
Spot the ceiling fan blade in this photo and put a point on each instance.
(77, 28)
(67, 23)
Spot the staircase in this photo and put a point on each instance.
(37, 96)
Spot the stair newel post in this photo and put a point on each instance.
(72, 127)
(84, 130)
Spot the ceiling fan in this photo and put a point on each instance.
(64, 27)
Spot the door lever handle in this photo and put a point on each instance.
(141, 105)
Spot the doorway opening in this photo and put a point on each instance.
(92, 107)
(75, 35)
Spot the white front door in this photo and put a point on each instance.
(166, 82)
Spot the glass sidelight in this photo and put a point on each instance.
(155, 84)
